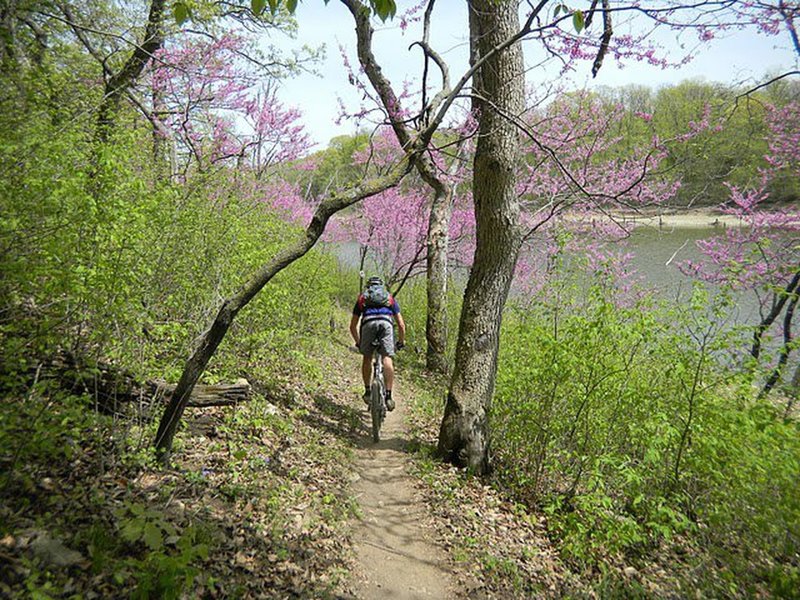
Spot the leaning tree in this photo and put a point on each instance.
(496, 74)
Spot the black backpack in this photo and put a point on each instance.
(376, 295)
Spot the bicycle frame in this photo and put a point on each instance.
(377, 405)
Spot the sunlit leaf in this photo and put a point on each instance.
(257, 6)
(578, 20)
(385, 9)
(132, 529)
(181, 12)
(291, 5)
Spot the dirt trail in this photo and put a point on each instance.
(394, 543)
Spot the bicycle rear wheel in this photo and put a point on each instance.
(376, 410)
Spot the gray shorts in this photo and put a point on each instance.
(380, 330)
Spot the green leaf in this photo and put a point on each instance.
(578, 20)
(257, 6)
(556, 11)
(385, 9)
(181, 12)
(291, 5)
(132, 530)
(152, 536)
(273, 6)
(201, 550)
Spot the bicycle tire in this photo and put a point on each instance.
(375, 409)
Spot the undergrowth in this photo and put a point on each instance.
(630, 430)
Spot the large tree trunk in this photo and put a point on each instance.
(499, 88)
(211, 339)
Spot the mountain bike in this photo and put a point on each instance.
(377, 393)
(377, 390)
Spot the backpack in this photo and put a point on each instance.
(376, 296)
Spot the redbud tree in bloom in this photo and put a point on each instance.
(763, 255)
(216, 109)
(391, 228)
(575, 180)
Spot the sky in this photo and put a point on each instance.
(740, 57)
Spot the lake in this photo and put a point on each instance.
(657, 254)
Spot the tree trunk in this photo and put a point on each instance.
(783, 356)
(121, 81)
(211, 339)
(792, 392)
(438, 240)
(499, 88)
(781, 297)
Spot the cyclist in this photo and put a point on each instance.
(376, 308)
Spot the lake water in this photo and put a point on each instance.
(657, 254)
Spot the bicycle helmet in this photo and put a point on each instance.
(374, 281)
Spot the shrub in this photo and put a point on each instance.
(629, 428)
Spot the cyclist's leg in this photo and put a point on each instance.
(388, 376)
(388, 372)
(369, 333)
(387, 350)
(366, 370)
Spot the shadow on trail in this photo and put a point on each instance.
(396, 443)
(352, 424)
(348, 421)
(336, 418)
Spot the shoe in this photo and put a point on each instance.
(366, 398)
(389, 403)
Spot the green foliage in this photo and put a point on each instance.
(727, 144)
(167, 567)
(413, 301)
(180, 10)
(137, 275)
(623, 424)
(385, 9)
(44, 427)
(335, 166)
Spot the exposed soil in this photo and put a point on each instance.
(394, 541)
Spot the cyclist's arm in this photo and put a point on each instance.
(401, 328)
(354, 329)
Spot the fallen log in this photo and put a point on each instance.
(221, 394)
(112, 387)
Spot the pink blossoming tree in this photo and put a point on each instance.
(764, 254)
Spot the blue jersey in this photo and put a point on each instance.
(372, 313)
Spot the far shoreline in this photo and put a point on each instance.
(691, 219)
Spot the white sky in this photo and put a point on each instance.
(742, 57)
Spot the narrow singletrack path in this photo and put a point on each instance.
(394, 544)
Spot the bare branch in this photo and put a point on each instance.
(766, 84)
(604, 41)
(447, 100)
(431, 54)
(366, 57)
